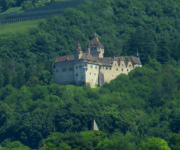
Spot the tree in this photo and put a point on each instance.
(16, 145)
(154, 144)
(20, 79)
(94, 136)
(45, 77)
(7, 76)
(32, 81)
(1, 80)
(163, 54)
(174, 142)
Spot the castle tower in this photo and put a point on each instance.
(95, 48)
(94, 125)
(78, 52)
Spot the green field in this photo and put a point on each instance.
(18, 27)
(12, 10)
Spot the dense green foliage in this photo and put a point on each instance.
(130, 109)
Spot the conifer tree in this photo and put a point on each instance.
(163, 51)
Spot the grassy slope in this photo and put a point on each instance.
(18, 27)
(13, 9)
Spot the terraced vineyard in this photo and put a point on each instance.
(40, 12)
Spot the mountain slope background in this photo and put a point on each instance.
(136, 107)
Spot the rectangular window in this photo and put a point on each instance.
(121, 69)
(127, 70)
(91, 66)
(116, 69)
(129, 65)
(106, 68)
(64, 69)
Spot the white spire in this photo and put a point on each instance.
(94, 125)
(137, 54)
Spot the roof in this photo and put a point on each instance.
(136, 60)
(95, 42)
(108, 61)
(65, 58)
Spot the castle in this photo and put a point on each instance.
(91, 68)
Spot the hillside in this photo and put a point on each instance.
(133, 112)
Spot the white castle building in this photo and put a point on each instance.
(91, 68)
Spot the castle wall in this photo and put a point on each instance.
(136, 65)
(79, 72)
(111, 72)
(92, 75)
(63, 73)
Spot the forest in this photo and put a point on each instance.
(138, 111)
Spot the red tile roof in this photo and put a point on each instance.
(65, 58)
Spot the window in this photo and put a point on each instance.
(129, 65)
(127, 70)
(64, 69)
(91, 66)
(90, 73)
(76, 74)
(92, 79)
(116, 69)
(70, 69)
(109, 68)
(121, 69)
(106, 68)
(96, 67)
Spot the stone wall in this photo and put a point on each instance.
(63, 72)
(92, 72)
(79, 72)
